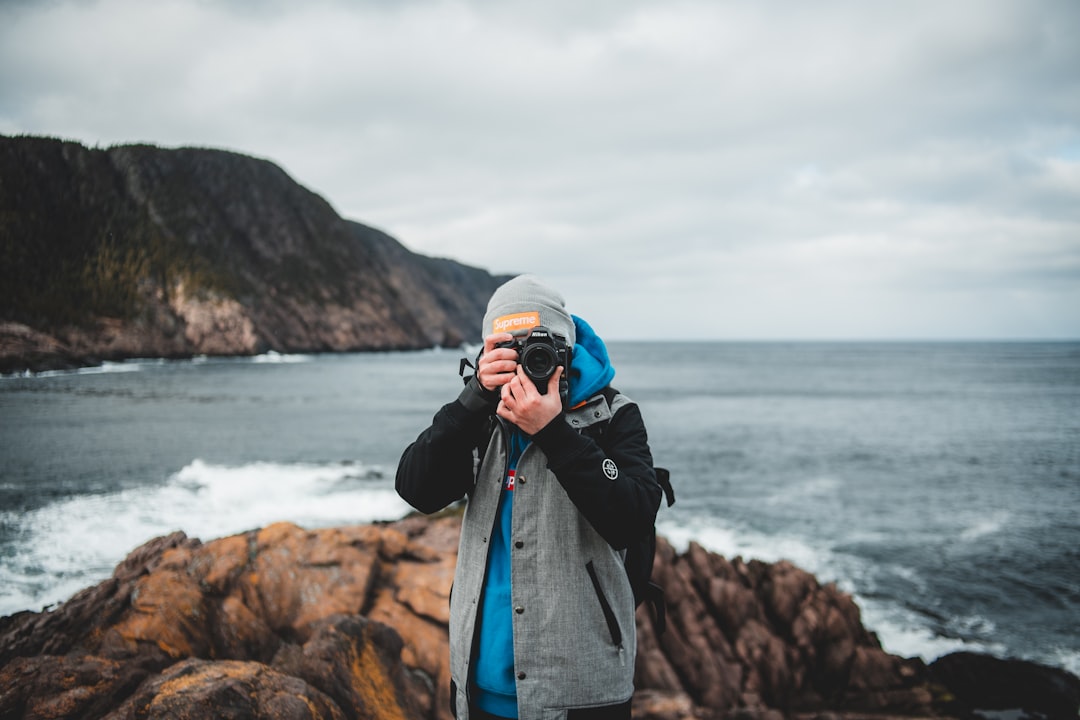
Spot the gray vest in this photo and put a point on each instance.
(567, 654)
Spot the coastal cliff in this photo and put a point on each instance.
(140, 251)
(351, 622)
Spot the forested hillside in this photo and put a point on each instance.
(143, 251)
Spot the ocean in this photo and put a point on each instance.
(939, 483)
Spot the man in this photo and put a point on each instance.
(541, 613)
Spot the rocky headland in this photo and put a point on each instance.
(351, 622)
(141, 251)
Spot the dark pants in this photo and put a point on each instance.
(476, 713)
(611, 712)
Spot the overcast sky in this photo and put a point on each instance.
(698, 169)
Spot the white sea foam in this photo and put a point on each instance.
(276, 357)
(904, 633)
(1066, 658)
(64, 547)
(127, 366)
(983, 526)
(139, 364)
(731, 542)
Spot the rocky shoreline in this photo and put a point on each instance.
(351, 622)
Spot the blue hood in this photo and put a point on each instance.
(590, 368)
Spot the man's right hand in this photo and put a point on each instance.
(496, 366)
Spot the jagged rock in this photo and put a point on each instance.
(758, 636)
(351, 622)
(23, 348)
(56, 687)
(357, 662)
(275, 614)
(980, 682)
(196, 689)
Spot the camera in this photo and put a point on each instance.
(539, 353)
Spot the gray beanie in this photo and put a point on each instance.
(520, 304)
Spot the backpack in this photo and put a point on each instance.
(640, 554)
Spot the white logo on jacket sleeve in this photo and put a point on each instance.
(610, 469)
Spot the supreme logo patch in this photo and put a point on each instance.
(516, 322)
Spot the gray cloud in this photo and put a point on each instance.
(689, 169)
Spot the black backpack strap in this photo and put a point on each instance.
(654, 596)
(663, 476)
(466, 363)
(648, 592)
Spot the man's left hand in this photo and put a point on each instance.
(523, 405)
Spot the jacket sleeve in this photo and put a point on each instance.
(437, 468)
(622, 509)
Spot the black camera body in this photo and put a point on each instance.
(539, 353)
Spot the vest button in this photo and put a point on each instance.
(519, 544)
(521, 676)
(519, 610)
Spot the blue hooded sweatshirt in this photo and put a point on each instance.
(493, 674)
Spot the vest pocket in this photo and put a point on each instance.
(605, 606)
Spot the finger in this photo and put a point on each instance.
(504, 366)
(553, 381)
(528, 388)
(494, 339)
(501, 361)
(498, 370)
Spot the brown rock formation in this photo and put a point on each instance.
(267, 624)
(1007, 687)
(352, 623)
(139, 251)
(22, 347)
(762, 636)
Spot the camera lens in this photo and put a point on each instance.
(539, 361)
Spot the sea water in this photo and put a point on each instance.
(939, 483)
